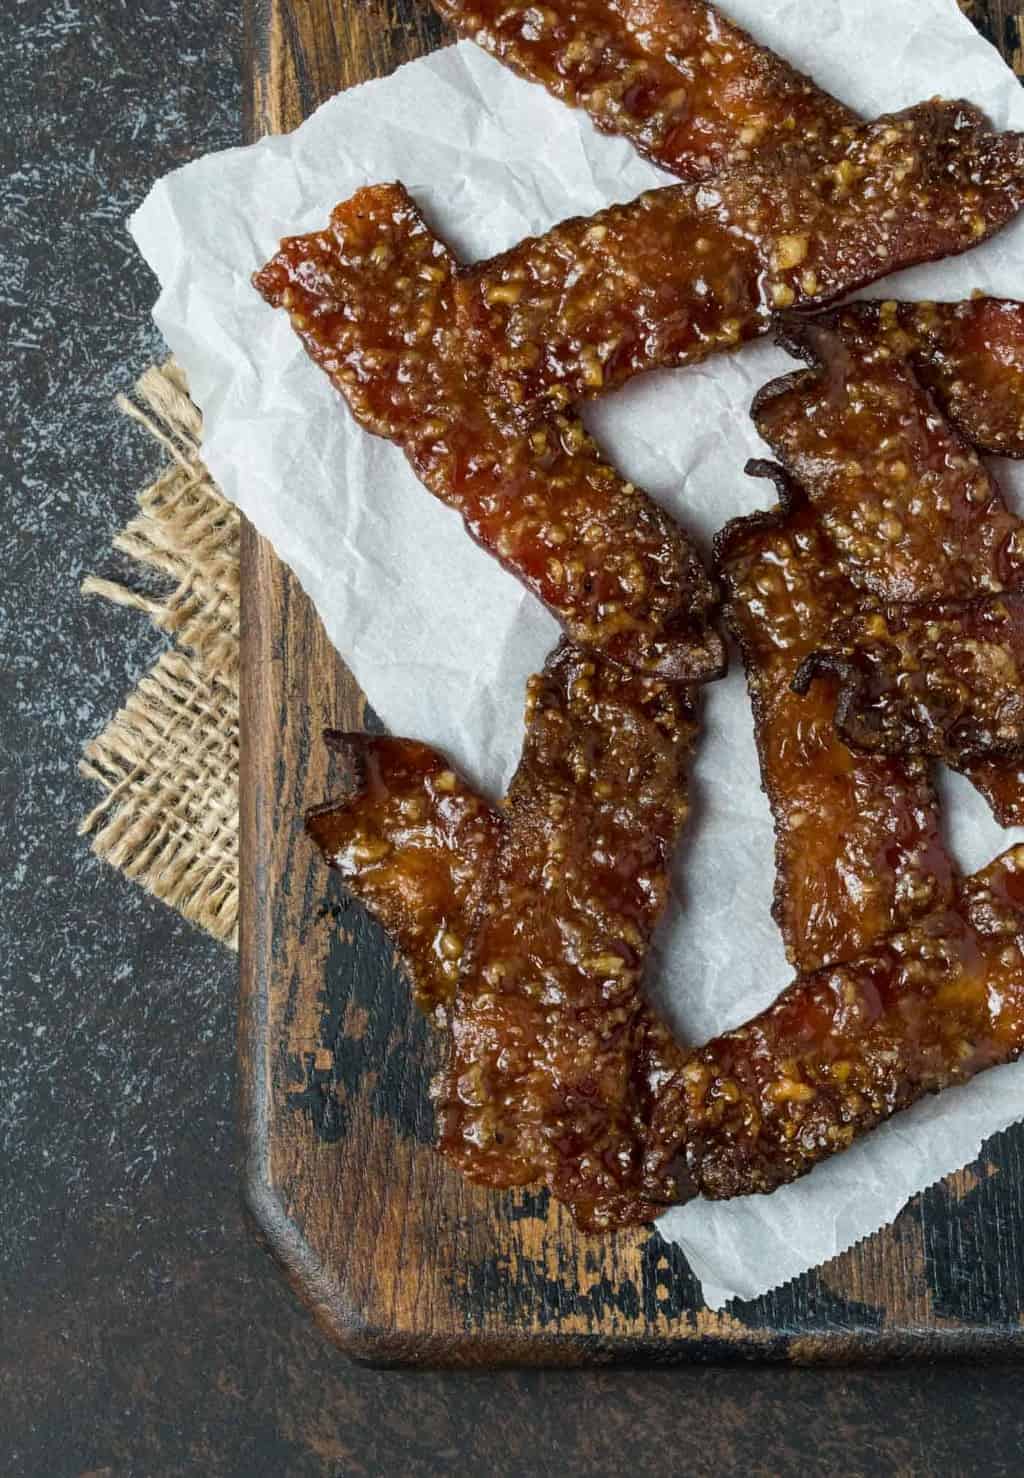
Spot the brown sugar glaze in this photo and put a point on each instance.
(913, 512)
(529, 926)
(944, 679)
(371, 299)
(969, 355)
(697, 95)
(847, 1047)
(685, 271)
(690, 90)
(858, 846)
(554, 1053)
(909, 505)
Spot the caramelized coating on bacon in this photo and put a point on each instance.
(1002, 785)
(944, 679)
(849, 1046)
(418, 848)
(970, 356)
(689, 89)
(912, 510)
(683, 272)
(415, 845)
(908, 504)
(371, 299)
(554, 1054)
(858, 849)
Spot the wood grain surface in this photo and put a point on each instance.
(399, 1259)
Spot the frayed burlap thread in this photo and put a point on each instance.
(168, 760)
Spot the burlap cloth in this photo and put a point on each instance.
(168, 760)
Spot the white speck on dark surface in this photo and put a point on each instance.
(107, 985)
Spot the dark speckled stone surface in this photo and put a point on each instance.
(142, 1332)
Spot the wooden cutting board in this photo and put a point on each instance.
(398, 1258)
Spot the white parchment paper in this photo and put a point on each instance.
(438, 636)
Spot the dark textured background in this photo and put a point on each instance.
(141, 1330)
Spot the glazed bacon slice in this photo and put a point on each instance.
(528, 927)
(415, 845)
(849, 1046)
(908, 504)
(554, 1054)
(970, 356)
(689, 89)
(371, 299)
(858, 847)
(683, 272)
(945, 680)
(910, 507)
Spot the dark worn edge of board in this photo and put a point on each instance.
(946, 1281)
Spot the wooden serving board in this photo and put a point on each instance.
(399, 1259)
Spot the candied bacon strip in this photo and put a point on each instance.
(944, 679)
(415, 845)
(371, 300)
(970, 355)
(908, 504)
(554, 1054)
(690, 90)
(912, 510)
(858, 848)
(847, 1047)
(682, 272)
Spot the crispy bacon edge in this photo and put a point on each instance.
(946, 680)
(415, 845)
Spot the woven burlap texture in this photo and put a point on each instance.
(168, 760)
